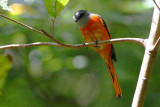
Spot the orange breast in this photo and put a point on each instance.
(95, 30)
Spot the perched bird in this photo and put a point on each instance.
(94, 28)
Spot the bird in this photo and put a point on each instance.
(94, 29)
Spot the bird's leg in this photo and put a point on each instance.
(96, 42)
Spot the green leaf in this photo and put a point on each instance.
(54, 7)
(50, 6)
(59, 6)
(4, 5)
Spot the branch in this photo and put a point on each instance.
(156, 46)
(75, 46)
(43, 32)
(53, 20)
(35, 30)
(148, 60)
(156, 4)
(51, 37)
(29, 45)
(22, 24)
(60, 44)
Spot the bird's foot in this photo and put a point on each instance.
(96, 42)
(84, 43)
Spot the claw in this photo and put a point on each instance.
(96, 42)
(84, 43)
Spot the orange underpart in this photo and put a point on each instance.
(93, 31)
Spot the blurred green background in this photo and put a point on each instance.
(61, 77)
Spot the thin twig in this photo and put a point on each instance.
(53, 38)
(74, 46)
(53, 20)
(156, 46)
(156, 4)
(20, 23)
(43, 32)
(139, 41)
(46, 34)
(33, 29)
(29, 45)
(58, 42)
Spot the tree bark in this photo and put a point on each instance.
(148, 60)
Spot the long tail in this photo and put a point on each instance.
(114, 79)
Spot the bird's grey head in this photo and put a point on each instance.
(82, 17)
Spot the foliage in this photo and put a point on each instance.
(54, 7)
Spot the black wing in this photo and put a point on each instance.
(113, 51)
